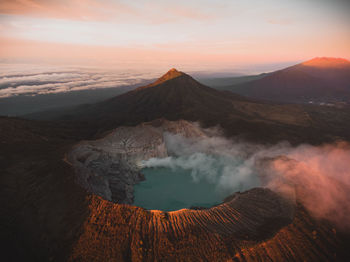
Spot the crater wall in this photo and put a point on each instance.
(110, 167)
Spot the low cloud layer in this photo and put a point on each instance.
(316, 176)
(21, 80)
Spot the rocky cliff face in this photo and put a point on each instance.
(109, 167)
(249, 226)
(257, 225)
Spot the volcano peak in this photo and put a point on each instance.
(327, 62)
(173, 70)
(171, 74)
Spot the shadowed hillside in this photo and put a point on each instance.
(317, 80)
(177, 95)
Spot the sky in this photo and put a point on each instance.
(186, 34)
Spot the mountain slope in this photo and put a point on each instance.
(221, 83)
(174, 95)
(177, 95)
(318, 80)
(41, 207)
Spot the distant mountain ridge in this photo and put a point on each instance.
(327, 62)
(317, 80)
(177, 95)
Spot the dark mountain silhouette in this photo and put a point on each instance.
(177, 95)
(173, 95)
(317, 80)
(221, 83)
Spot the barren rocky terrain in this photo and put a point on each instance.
(110, 166)
(66, 186)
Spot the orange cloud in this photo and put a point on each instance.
(13, 49)
(94, 10)
(188, 56)
(66, 9)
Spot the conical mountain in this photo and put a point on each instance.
(173, 78)
(171, 74)
(175, 95)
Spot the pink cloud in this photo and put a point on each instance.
(320, 178)
(66, 9)
(94, 10)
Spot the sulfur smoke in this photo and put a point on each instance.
(209, 159)
(320, 177)
(316, 176)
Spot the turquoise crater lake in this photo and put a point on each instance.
(170, 189)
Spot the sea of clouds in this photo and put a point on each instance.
(17, 79)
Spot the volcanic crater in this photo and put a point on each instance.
(110, 167)
(247, 226)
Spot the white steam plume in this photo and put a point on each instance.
(319, 175)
